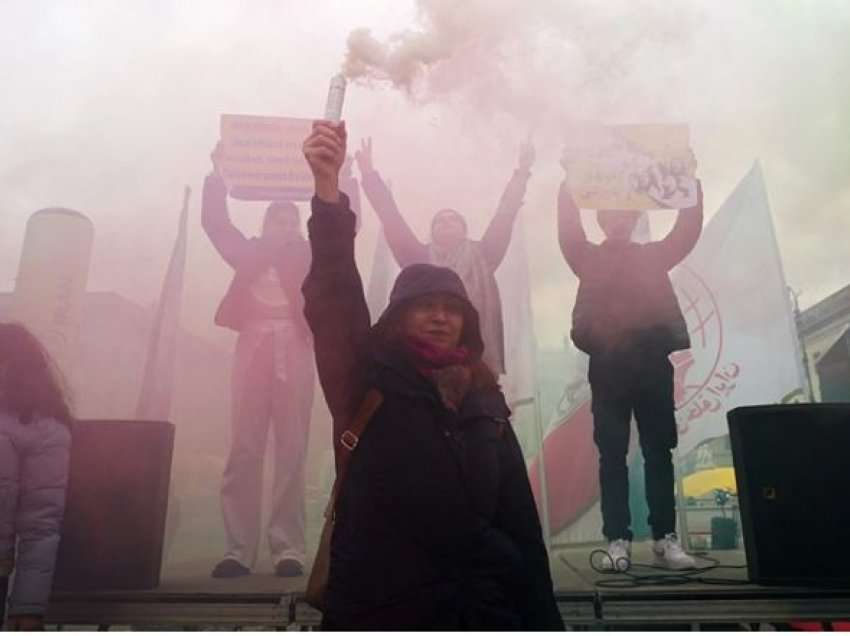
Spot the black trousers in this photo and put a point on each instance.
(641, 383)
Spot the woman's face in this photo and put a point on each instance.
(448, 229)
(436, 319)
(281, 227)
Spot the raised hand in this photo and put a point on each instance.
(565, 163)
(364, 157)
(526, 156)
(217, 156)
(324, 150)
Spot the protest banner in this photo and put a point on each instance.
(262, 158)
(630, 167)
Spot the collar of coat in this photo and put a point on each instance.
(392, 371)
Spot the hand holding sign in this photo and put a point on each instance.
(216, 156)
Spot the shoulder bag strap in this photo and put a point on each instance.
(349, 440)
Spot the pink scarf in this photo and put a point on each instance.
(447, 369)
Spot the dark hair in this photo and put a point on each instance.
(30, 383)
(625, 216)
(281, 208)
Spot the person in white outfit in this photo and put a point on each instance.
(35, 443)
(272, 380)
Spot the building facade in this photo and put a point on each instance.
(820, 326)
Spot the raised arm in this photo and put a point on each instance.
(335, 305)
(349, 185)
(571, 236)
(497, 237)
(674, 247)
(406, 248)
(215, 219)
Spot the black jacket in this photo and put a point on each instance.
(436, 525)
(250, 258)
(625, 299)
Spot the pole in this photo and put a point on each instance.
(541, 462)
(684, 533)
(797, 316)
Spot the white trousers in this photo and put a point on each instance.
(272, 387)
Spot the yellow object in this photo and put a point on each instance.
(706, 481)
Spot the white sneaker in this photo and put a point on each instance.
(619, 557)
(670, 554)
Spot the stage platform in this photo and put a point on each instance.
(188, 597)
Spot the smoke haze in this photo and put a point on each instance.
(755, 80)
(110, 108)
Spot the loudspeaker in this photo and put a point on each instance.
(112, 535)
(792, 466)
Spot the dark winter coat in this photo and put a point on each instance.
(435, 526)
(625, 299)
(250, 258)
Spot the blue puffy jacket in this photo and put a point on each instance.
(33, 483)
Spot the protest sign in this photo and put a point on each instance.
(630, 167)
(262, 158)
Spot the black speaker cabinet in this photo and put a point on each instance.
(792, 466)
(112, 535)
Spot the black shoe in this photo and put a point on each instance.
(288, 567)
(228, 569)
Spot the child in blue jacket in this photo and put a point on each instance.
(35, 442)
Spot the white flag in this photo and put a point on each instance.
(520, 382)
(732, 291)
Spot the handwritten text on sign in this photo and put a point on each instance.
(634, 167)
(262, 157)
